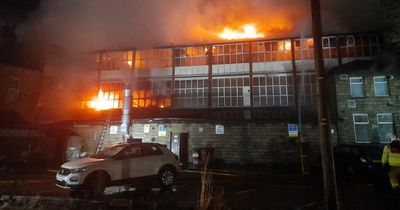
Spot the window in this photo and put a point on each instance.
(191, 93)
(307, 87)
(356, 87)
(381, 86)
(130, 152)
(150, 151)
(14, 90)
(361, 128)
(385, 126)
(230, 92)
(273, 90)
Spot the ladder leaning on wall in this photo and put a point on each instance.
(104, 132)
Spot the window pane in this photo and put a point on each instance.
(361, 118)
(357, 90)
(381, 89)
(385, 131)
(362, 132)
(385, 118)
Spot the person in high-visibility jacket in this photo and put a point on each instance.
(391, 161)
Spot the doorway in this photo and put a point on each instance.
(179, 146)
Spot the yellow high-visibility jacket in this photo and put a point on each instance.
(391, 154)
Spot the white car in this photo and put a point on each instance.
(116, 165)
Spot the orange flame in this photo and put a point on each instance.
(103, 101)
(247, 31)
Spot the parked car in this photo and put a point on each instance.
(116, 165)
(358, 162)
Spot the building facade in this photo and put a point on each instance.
(367, 101)
(235, 97)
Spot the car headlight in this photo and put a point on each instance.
(78, 170)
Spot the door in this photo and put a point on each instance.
(183, 149)
(246, 96)
(179, 146)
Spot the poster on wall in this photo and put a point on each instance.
(162, 130)
(219, 129)
(293, 130)
(113, 129)
(146, 128)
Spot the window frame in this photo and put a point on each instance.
(384, 123)
(361, 123)
(386, 82)
(357, 83)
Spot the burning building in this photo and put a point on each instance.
(237, 97)
(236, 93)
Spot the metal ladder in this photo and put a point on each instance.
(104, 132)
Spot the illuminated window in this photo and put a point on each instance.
(154, 94)
(304, 48)
(190, 56)
(231, 53)
(115, 60)
(271, 51)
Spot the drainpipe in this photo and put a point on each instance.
(126, 113)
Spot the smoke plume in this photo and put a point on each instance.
(97, 24)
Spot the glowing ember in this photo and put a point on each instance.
(102, 101)
(247, 31)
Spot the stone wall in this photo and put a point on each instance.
(391, 22)
(370, 104)
(242, 142)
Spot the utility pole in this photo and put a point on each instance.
(328, 170)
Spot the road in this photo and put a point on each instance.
(230, 191)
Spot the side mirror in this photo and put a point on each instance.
(83, 154)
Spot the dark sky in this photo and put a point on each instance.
(17, 10)
(94, 24)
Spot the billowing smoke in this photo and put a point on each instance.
(97, 24)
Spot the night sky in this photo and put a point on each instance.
(95, 24)
(17, 10)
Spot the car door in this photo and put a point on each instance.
(128, 162)
(151, 159)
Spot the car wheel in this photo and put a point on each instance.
(166, 176)
(96, 184)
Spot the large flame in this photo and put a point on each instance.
(246, 31)
(103, 101)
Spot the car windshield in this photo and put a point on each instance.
(109, 152)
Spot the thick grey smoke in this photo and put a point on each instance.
(96, 24)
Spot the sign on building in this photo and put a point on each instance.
(293, 130)
(219, 129)
(146, 128)
(162, 130)
(113, 129)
